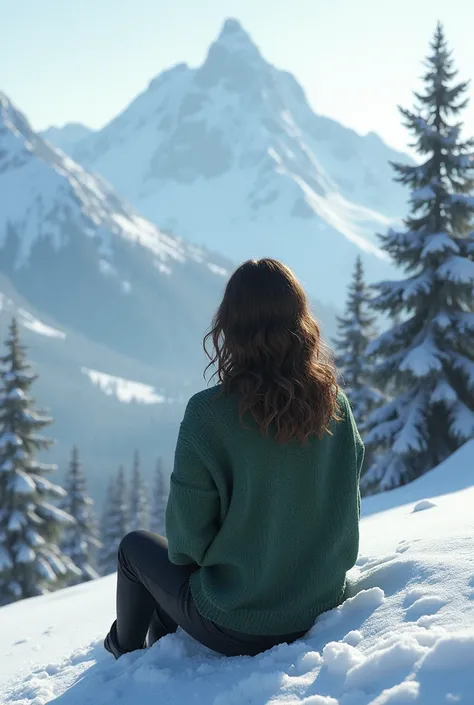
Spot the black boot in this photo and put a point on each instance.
(161, 624)
(111, 643)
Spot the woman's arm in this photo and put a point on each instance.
(192, 514)
(359, 448)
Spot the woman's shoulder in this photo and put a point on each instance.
(204, 415)
(204, 397)
(343, 405)
(202, 404)
(346, 415)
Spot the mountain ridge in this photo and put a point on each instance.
(112, 309)
(231, 155)
(66, 136)
(55, 214)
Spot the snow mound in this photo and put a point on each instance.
(424, 504)
(404, 635)
(125, 390)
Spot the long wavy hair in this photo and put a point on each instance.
(267, 347)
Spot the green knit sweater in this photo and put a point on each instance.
(273, 527)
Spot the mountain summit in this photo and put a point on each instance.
(234, 30)
(230, 154)
(234, 39)
(232, 27)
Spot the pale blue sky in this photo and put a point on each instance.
(71, 60)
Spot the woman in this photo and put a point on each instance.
(263, 513)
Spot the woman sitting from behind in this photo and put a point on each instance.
(263, 513)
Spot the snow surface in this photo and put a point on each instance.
(406, 634)
(36, 326)
(125, 390)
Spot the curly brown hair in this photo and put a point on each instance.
(267, 348)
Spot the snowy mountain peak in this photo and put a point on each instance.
(233, 27)
(45, 196)
(233, 60)
(70, 244)
(231, 154)
(5, 104)
(18, 143)
(11, 118)
(233, 36)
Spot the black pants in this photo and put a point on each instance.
(154, 598)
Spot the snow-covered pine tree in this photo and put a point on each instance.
(139, 517)
(429, 355)
(355, 332)
(115, 523)
(159, 500)
(30, 526)
(80, 541)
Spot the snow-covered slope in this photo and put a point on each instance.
(405, 636)
(231, 155)
(454, 474)
(104, 401)
(96, 286)
(84, 256)
(67, 136)
(73, 247)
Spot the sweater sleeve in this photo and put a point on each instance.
(192, 514)
(358, 442)
(359, 447)
(360, 453)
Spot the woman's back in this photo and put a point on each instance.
(263, 512)
(274, 526)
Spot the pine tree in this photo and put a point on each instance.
(429, 355)
(355, 332)
(159, 501)
(109, 547)
(115, 523)
(30, 561)
(139, 518)
(79, 541)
